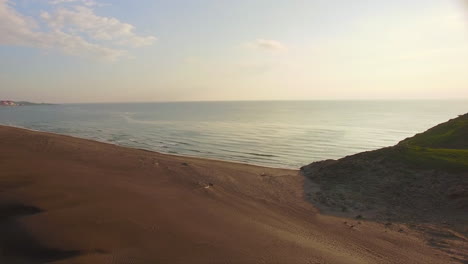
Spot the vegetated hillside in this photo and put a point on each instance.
(452, 134)
(443, 147)
(422, 179)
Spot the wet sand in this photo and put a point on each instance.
(70, 200)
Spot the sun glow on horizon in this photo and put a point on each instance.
(91, 51)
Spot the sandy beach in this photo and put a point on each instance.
(70, 200)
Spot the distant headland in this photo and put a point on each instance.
(19, 103)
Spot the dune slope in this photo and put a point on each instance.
(69, 200)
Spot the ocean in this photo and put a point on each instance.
(283, 134)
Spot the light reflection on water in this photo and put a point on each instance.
(276, 134)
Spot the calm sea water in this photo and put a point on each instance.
(275, 134)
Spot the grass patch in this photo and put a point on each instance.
(443, 147)
(433, 158)
(449, 135)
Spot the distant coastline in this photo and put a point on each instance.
(19, 103)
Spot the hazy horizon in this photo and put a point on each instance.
(253, 100)
(87, 51)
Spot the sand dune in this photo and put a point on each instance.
(69, 200)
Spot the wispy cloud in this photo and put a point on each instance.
(76, 30)
(267, 44)
(83, 19)
(84, 2)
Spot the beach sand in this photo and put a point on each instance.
(70, 200)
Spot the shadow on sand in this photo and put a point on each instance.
(16, 245)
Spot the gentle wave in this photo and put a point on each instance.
(277, 134)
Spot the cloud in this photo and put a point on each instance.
(14, 28)
(76, 31)
(77, 46)
(267, 44)
(84, 20)
(84, 2)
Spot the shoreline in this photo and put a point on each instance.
(149, 150)
(74, 200)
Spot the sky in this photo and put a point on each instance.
(71, 51)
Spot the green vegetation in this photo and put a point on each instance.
(443, 147)
(452, 134)
(433, 158)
